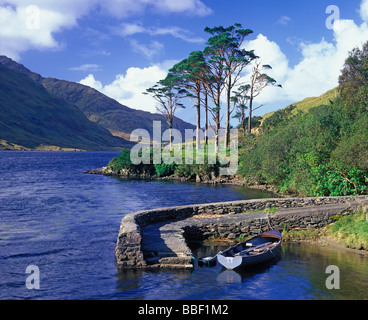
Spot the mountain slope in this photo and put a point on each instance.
(120, 120)
(309, 103)
(31, 117)
(110, 114)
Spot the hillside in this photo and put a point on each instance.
(32, 118)
(309, 103)
(321, 150)
(120, 120)
(108, 113)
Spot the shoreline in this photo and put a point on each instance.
(236, 181)
(327, 241)
(322, 240)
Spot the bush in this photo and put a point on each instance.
(322, 152)
(164, 170)
(121, 162)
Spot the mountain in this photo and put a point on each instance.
(32, 118)
(120, 120)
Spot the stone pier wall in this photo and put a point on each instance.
(233, 220)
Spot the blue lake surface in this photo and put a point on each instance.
(66, 223)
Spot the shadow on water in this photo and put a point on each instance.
(244, 274)
(232, 276)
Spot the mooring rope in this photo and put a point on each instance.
(269, 221)
(207, 260)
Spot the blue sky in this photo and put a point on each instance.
(121, 47)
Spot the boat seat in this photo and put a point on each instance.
(255, 249)
(265, 247)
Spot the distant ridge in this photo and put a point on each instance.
(120, 120)
(21, 125)
(32, 118)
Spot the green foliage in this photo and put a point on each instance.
(164, 169)
(121, 162)
(354, 75)
(205, 170)
(185, 170)
(322, 152)
(352, 230)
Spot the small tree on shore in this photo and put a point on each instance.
(258, 81)
(240, 100)
(168, 94)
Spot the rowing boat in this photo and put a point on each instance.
(256, 250)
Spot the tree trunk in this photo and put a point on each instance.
(250, 115)
(218, 119)
(243, 120)
(198, 136)
(170, 123)
(227, 129)
(206, 118)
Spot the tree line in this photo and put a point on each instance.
(322, 152)
(207, 76)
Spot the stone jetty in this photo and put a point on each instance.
(158, 238)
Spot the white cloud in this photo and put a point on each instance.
(364, 10)
(129, 29)
(90, 81)
(26, 25)
(284, 20)
(320, 66)
(128, 88)
(126, 8)
(87, 67)
(194, 7)
(148, 50)
(29, 27)
(152, 49)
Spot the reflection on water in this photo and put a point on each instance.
(298, 273)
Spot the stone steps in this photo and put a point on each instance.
(164, 245)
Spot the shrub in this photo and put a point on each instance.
(121, 162)
(164, 170)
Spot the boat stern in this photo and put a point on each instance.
(229, 263)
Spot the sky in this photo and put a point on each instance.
(122, 47)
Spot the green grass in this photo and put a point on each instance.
(311, 102)
(351, 230)
(300, 235)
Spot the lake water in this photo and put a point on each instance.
(66, 223)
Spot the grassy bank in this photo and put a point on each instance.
(351, 231)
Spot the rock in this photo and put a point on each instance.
(365, 209)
